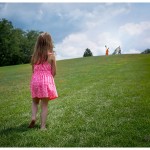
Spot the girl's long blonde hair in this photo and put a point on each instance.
(43, 45)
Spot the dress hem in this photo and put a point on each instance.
(45, 98)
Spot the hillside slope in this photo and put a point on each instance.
(103, 102)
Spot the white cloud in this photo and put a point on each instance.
(135, 36)
(147, 40)
(132, 51)
(40, 14)
(135, 28)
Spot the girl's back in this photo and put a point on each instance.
(42, 68)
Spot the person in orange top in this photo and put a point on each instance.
(107, 51)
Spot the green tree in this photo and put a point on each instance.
(31, 37)
(6, 29)
(16, 41)
(87, 53)
(146, 51)
(16, 45)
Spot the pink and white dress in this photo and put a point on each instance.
(42, 82)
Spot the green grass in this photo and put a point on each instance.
(103, 102)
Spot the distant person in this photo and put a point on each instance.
(119, 52)
(115, 51)
(107, 51)
(42, 84)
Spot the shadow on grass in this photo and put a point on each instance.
(22, 128)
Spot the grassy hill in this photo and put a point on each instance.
(103, 102)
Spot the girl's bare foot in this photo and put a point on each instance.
(43, 129)
(32, 124)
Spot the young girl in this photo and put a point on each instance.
(42, 83)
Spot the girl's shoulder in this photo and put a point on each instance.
(51, 57)
(50, 53)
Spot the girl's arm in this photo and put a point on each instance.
(53, 64)
(32, 69)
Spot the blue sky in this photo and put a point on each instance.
(77, 26)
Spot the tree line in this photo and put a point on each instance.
(16, 45)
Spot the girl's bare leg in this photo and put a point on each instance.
(35, 103)
(44, 107)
